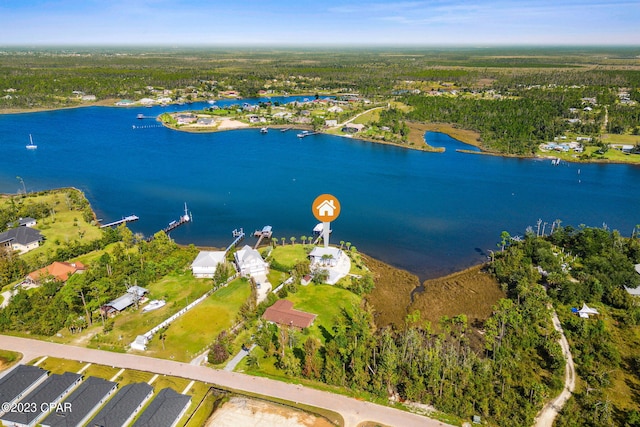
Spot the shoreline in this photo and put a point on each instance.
(418, 142)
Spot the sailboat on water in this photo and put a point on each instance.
(31, 145)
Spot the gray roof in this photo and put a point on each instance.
(26, 220)
(133, 293)
(87, 397)
(19, 379)
(54, 388)
(165, 409)
(122, 405)
(21, 235)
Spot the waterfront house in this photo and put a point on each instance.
(21, 239)
(353, 128)
(325, 257)
(250, 262)
(282, 313)
(206, 263)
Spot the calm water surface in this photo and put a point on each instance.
(427, 212)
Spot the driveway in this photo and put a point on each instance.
(354, 411)
(550, 411)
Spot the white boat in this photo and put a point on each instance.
(31, 145)
(153, 305)
(264, 130)
(303, 134)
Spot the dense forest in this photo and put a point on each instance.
(521, 364)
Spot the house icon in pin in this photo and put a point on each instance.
(326, 208)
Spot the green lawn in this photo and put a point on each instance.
(65, 225)
(196, 329)
(177, 289)
(8, 358)
(60, 366)
(324, 300)
(370, 117)
(290, 255)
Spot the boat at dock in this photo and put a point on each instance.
(31, 145)
(303, 134)
(264, 130)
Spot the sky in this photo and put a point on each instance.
(319, 22)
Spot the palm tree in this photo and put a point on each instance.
(341, 243)
(293, 240)
(282, 239)
(348, 245)
(303, 239)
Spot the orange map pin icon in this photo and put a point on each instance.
(326, 208)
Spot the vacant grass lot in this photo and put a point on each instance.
(196, 329)
(290, 255)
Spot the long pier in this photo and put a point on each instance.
(304, 135)
(239, 235)
(129, 218)
(175, 224)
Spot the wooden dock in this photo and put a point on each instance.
(304, 135)
(285, 129)
(124, 219)
(266, 232)
(187, 217)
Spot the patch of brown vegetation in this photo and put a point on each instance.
(472, 292)
(392, 293)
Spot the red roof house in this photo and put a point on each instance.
(282, 313)
(60, 271)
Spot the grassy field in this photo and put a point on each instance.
(63, 225)
(324, 300)
(196, 329)
(290, 255)
(8, 358)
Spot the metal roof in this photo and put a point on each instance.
(83, 401)
(122, 406)
(19, 379)
(165, 410)
(51, 390)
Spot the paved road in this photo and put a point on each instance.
(550, 411)
(353, 411)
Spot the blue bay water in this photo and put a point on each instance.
(430, 213)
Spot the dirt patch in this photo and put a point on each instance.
(244, 412)
(472, 292)
(392, 293)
